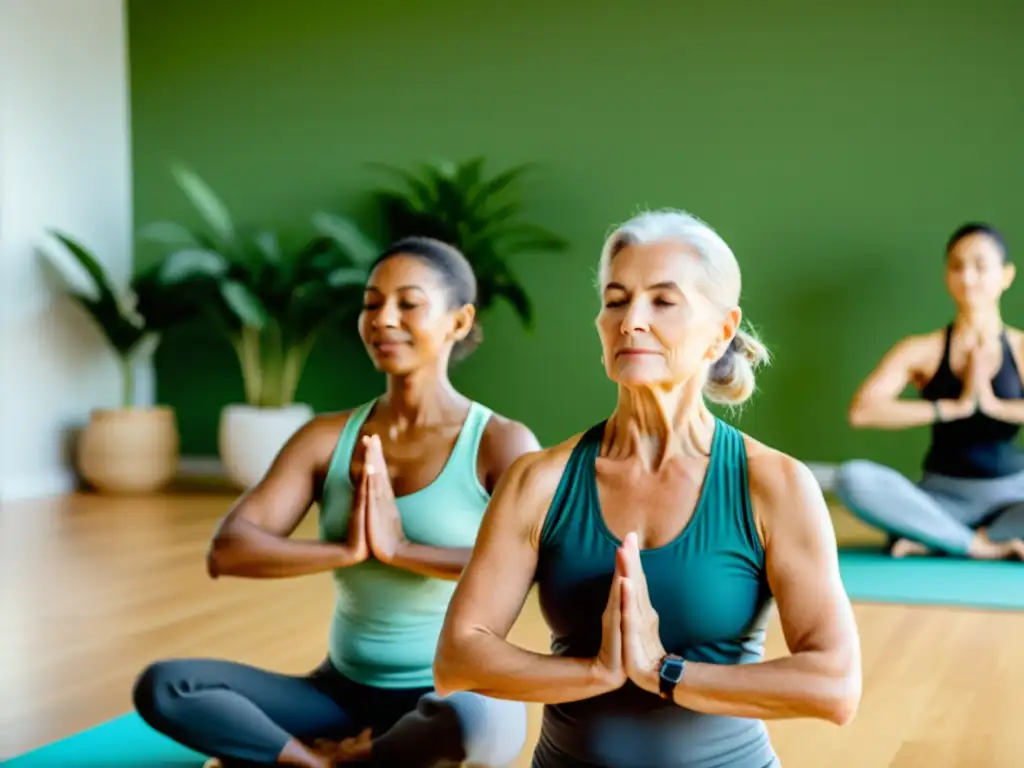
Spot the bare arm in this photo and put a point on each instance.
(252, 540)
(821, 677)
(877, 403)
(473, 653)
(503, 442)
(1010, 411)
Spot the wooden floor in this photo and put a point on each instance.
(94, 588)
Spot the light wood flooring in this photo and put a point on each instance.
(94, 588)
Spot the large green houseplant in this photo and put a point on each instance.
(480, 214)
(128, 448)
(270, 302)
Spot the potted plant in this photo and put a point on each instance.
(480, 215)
(271, 303)
(128, 448)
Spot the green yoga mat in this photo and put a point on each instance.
(124, 741)
(874, 577)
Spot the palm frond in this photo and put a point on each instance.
(480, 215)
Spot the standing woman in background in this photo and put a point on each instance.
(402, 482)
(658, 539)
(969, 378)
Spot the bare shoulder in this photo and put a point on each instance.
(915, 357)
(784, 492)
(504, 440)
(527, 489)
(921, 347)
(319, 436)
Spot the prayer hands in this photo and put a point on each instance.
(608, 664)
(357, 541)
(631, 648)
(982, 365)
(383, 523)
(642, 649)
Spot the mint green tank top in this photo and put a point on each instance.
(386, 620)
(709, 588)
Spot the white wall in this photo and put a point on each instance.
(65, 161)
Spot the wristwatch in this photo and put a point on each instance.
(669, 675)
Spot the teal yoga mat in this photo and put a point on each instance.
(122, 742)
(872, 576)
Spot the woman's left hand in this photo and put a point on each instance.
(642, 648)
(383, 523)
(982, 367)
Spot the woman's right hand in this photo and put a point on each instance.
(974, 382)
(357, 541)
(608, 664)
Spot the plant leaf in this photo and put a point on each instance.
(347, 276)
(515, 295)
(344, 233)
(169, 233)
(418, 193)
(244, 303)
(88, 262)
(208, 204)
(192, 263)
(493, 188)
(267, 244)
(469, 174)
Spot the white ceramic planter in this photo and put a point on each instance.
(250, 437)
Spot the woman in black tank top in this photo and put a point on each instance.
(970, 500)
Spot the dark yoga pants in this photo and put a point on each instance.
(245, 715)
(940, 512)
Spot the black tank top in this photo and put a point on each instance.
(978, 446)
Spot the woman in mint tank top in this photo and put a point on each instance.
(658, 539)
(402, 483)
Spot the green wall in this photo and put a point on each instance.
(834, 147)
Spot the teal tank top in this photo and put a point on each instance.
(709, 588)
(387, 620)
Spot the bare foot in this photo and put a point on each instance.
(983, 548)
(351, 750)
(355, 749)
(905, 547)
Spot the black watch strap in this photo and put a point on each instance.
(669, 675)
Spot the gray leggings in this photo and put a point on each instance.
(939, 512)
(245, 715)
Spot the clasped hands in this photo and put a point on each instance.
(983, 359)
(631, 648)
(375, 528)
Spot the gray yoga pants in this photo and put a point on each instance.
(939, 512)
(245, 716)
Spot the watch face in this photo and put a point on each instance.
(672, 669)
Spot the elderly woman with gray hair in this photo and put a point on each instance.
(658, 539)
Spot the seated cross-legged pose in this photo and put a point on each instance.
(970, 500)
(402, 483)
(658, 539)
